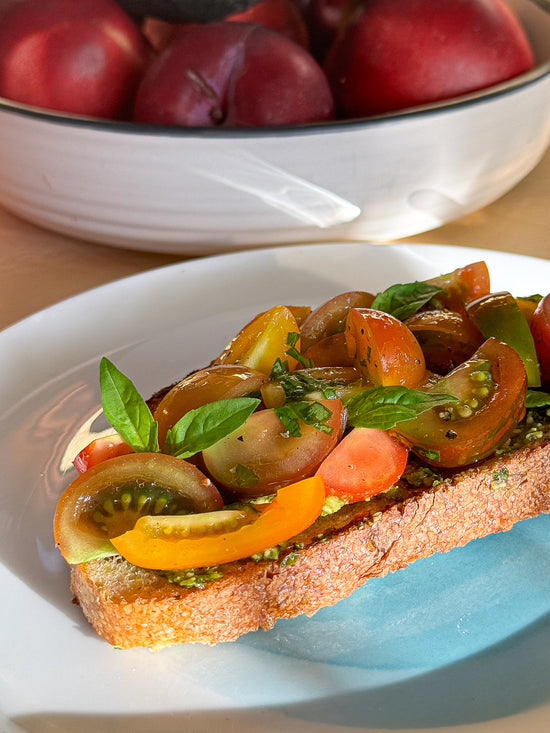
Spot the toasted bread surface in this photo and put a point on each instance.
(132, 607)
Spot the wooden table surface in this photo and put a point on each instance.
(39, 268)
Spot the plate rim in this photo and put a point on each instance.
(46, 315)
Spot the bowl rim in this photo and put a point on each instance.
(510, 86)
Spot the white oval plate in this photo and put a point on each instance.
(458, 642)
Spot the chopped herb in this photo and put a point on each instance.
(298, 385)
(499, 478)
(292, 351)
(310, 413)
(279, 369)
(289, 559)
(245, 476)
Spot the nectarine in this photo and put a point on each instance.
(395, 54)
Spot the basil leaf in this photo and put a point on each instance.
(384, 407)
(200, 428)
(246, 478)
(292, 338)
(310, 413)
(126, 410)
(533, 398)
(403, 301)
(279, 368)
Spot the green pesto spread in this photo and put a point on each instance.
(499, 478)
(192, 578)
(534, 426)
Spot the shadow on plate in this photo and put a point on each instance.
(510, 678)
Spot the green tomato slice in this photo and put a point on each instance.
(499, 315)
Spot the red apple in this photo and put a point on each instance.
(280, 15)
(233, 74)
(395, 54)
(78, 56)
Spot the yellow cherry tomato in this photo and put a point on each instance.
(158, 546)
(262, 341)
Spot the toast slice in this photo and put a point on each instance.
(132, 607)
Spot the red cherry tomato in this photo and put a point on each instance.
(99, 450)
(79, 56)
(366, 462)
(384, 349)
(462, 285)
(540, 328)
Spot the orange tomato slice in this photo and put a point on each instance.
(294, 508)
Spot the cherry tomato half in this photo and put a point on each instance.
(491, 389)
(447, 338)
(462, 285)
(365, 462)
(262, 341)
(110, 497)
(384, 349)
(330, 317)
(330, 351)
(261, 455)
(99, 450)
(528, 305)
(214, 383)
(151, 544)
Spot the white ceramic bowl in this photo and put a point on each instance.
(193, 191)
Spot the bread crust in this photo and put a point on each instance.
(132, 607)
